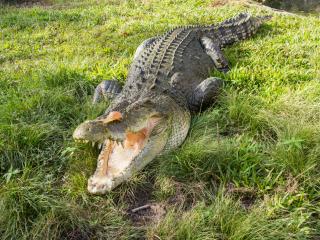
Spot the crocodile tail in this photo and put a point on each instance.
(238, 28)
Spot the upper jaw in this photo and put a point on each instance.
(115, 129)
(97, 131)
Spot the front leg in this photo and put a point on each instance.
(214, 51)
(205, 94)
(107, 90)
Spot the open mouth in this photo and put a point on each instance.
(117, 155)
(114, 158)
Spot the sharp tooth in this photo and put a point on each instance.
(93, 143)
(100, 146)
(99, 164)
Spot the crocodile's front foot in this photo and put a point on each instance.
(99, 184)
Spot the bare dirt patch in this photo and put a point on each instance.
(219, 3)
(150, 213)
(142, 210)
(186, 195)
(246, 196)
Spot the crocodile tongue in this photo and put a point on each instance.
(115, 157)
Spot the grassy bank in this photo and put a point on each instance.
(250, 168)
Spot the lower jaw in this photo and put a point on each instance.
(114, 160)
(103, 182)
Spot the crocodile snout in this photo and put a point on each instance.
(100, 184)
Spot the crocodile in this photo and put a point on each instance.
(168, 81)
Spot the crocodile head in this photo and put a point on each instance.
(130, 137)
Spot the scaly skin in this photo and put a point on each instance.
(168, 81)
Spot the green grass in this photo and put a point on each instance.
(250, 168)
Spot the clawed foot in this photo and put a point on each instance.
(99, 184)
(205, 93)
(224, 70)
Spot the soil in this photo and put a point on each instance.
(151, 214)
(246, 196)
